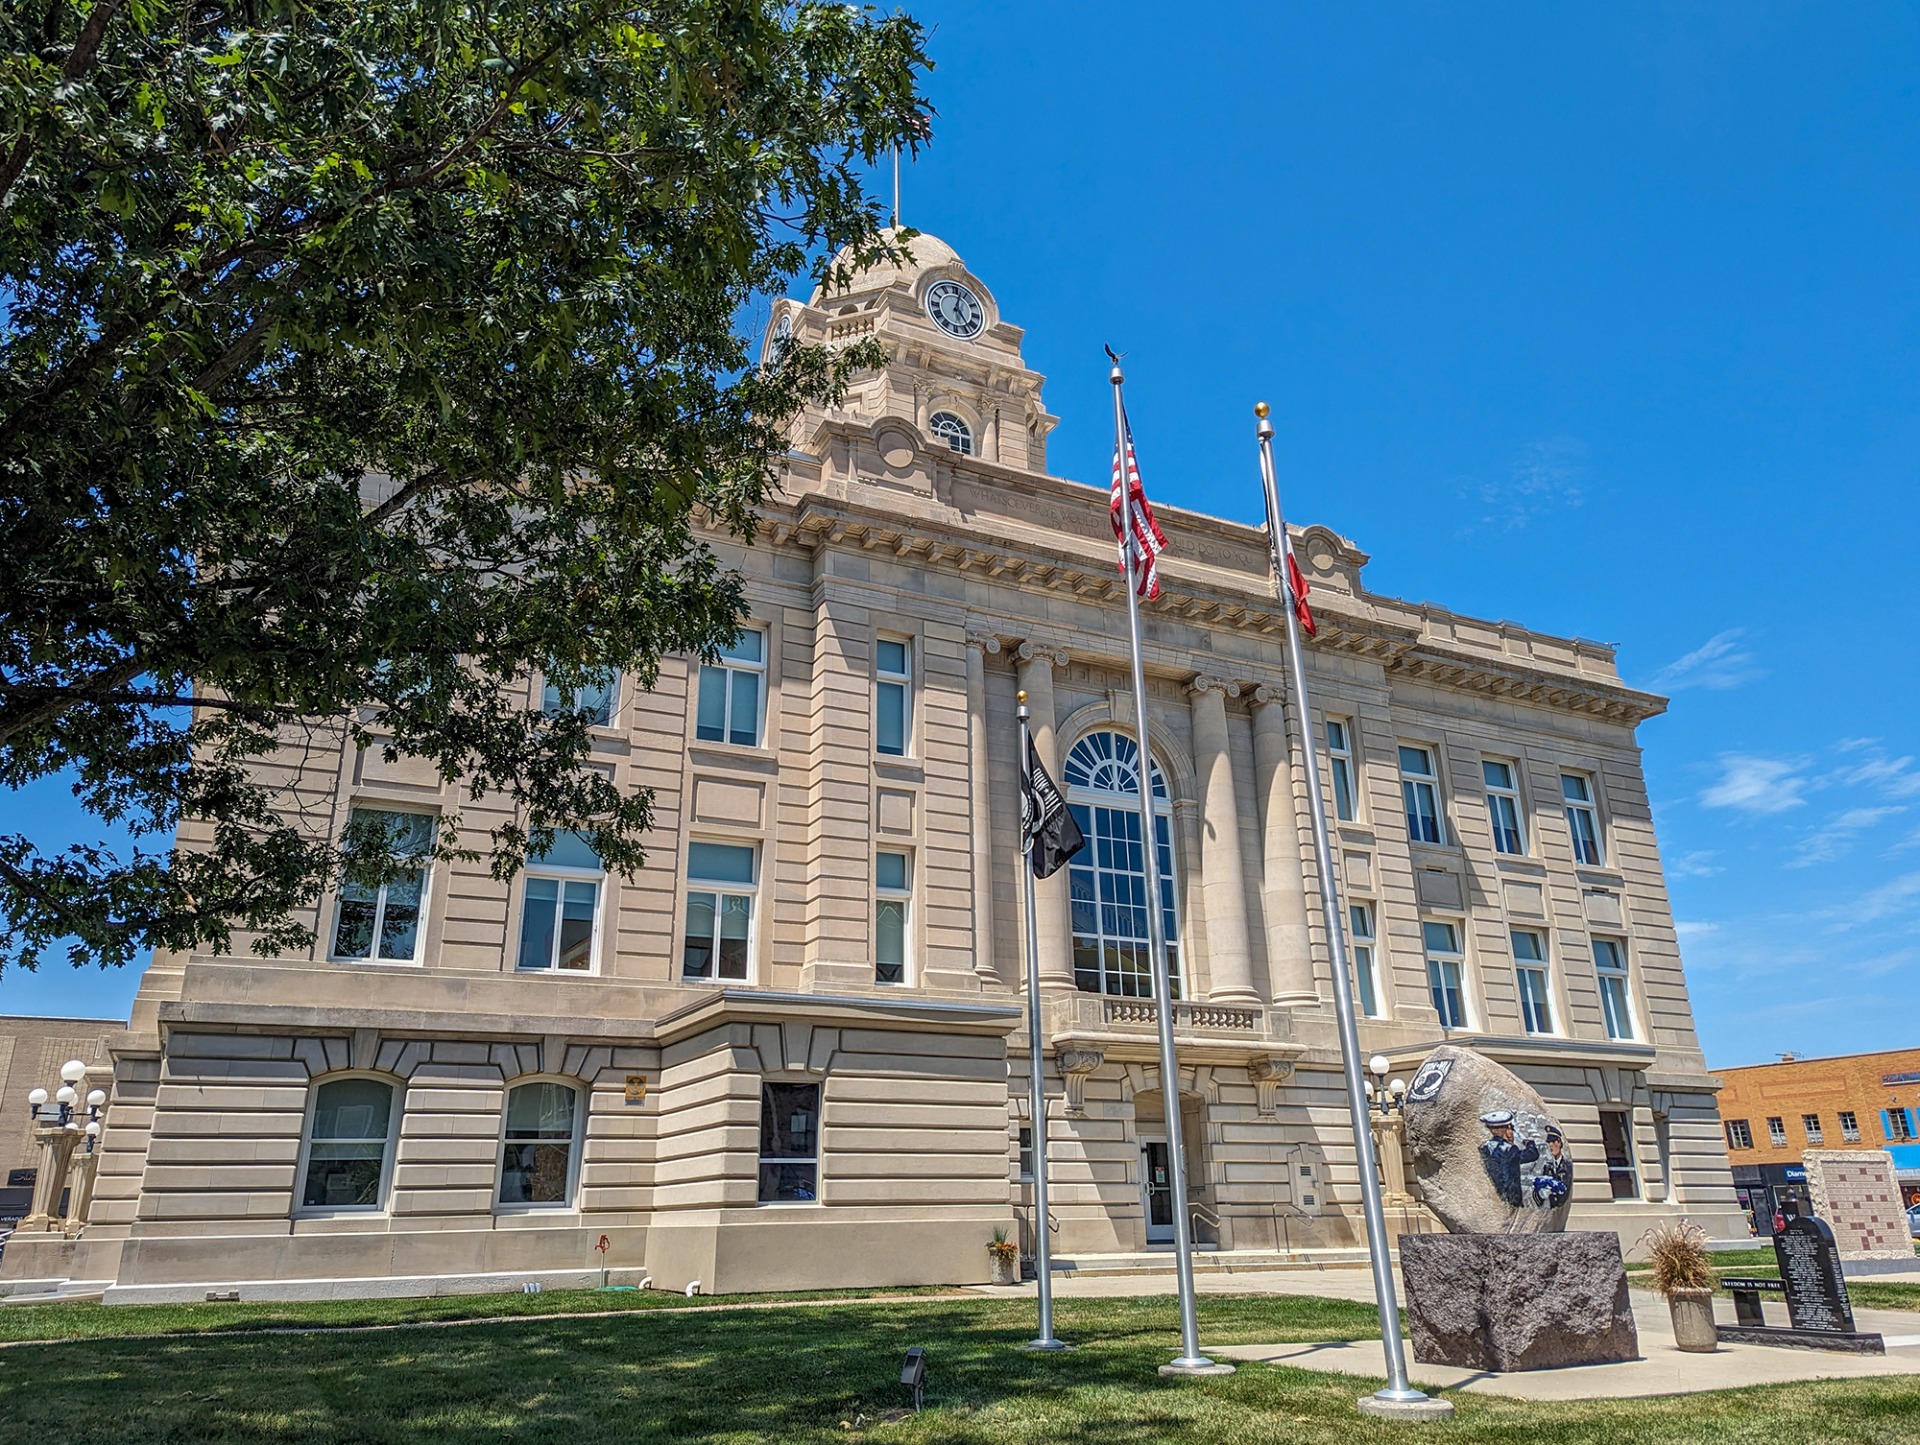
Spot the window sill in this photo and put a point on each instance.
(1435, 853)
(380, 962)
(899, 769)
(787, 1204)
(519, 972)
(1523, 863)
(1356, 833)
(521, 1211)
(717, 982)
(735, 755)
(1600, 875)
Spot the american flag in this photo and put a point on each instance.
(1128, 504)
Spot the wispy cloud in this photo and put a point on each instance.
(1896, 777)
(1891, 899)
(1718, 663)
(1829, 842)
(1753, 784)
(1697, 864)
(1548, 476)
(1693, 929)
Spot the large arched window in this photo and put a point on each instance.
(1108, 879)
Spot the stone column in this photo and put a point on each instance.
(1222, 878)
(1055, 917)
(56, 1150)
(80, 1176)
(979, 645)
(1283, 882)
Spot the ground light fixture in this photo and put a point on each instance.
(913, 1374)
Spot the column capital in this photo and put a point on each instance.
(1047, 652)
(1267, 692)
(985, 641)
(1204, 684)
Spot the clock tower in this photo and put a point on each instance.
(953, 376)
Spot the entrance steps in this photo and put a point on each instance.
(1207, 1261)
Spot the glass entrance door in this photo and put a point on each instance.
(1156, 1184)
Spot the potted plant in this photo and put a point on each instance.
(1004, 1255)
(1683, 1272)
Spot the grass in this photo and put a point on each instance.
(1864, 1291)
(809, 1376)
(89, 1320)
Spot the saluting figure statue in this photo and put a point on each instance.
(1503, 1157)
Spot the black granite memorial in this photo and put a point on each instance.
(1819, 1314)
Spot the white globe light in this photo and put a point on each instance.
(96, 1098)
(1378, 1064)
(94, 1129)
(1397, 1087)
(66, 1094)
(1369, 1091)
(36, 1097)
(73, 1071)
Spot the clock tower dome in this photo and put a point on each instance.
(953, 375)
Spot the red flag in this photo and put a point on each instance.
(1298, 586)
(1129, 508)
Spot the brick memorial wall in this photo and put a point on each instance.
(1855, 1191)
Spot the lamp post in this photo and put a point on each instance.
(62, 1124)
(1388, 1101)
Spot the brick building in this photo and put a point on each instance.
(31, 1053)
(1775, 1112)
(791, 1050)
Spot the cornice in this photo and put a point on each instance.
(813, 521)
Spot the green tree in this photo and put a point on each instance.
(362, 359)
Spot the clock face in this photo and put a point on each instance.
(956, 310)
(782, 337)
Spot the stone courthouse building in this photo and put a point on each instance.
(791, 1051)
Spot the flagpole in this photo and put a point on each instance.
(1036, 1088)
(1190, 1360)
(1399, 1397)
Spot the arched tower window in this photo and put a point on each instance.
(1108, 879)
(952, 430)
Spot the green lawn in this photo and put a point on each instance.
(83, 1321)
(809, 1376)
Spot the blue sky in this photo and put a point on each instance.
(1606, 321)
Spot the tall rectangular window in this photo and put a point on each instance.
(1616, 1140)
(1897, 1125)
(1739, 1134)
(538, 1147)
(732, 691)
(1444, 966)
(596, 699)
(789, 1143)
(381, 922)
(893, 898)
(1583, 820)
(892, 696)
(1530, 970)
(560, 911)
(1503, 806)
(1364, 978)
(1420, 791)
(1777, 1131)
(719, 933)
(1849, 1126)
(1811, 1123)
(1340, 760)
(1610, 967)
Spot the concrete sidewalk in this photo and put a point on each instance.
(1662, 1369)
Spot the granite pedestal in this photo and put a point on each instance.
(1517, 1301)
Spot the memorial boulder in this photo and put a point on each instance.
(1489, 1156)
(1505, 1288)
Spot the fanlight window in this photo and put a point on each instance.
(953, 431)
(1107, 879)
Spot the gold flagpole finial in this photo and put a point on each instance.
(1021, 698)
(1260, 410)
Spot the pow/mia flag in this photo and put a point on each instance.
(1048, 832)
